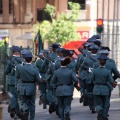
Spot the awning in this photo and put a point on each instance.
(26, 36)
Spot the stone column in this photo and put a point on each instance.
(5, 11)
(22, 10)
(17, 11)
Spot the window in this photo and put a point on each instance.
(81, 2)
(11, 3)
(1, 7)
(42, 15)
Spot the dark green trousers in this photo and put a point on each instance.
(101, 104)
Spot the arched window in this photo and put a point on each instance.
(1, 7)
(81, 2)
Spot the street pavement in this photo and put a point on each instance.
(78, 112)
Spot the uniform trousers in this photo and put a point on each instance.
(101, 104)
(64, 105)
(13, 99)
(29, 105)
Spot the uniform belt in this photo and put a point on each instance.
(64, 84)
(28, 81)
(100, 84)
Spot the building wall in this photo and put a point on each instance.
(25, 15)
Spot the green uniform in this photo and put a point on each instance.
(81, 72)
(101, 77)
(88, 63)
(10, 69)
(42, 86)
(63, 78)
(47, 63)
(110, 65)
(29, 75)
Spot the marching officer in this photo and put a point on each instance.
(110, 65)
(88, 63)
(101, 77)
(48, 61)
(63, 78)
(42, 71)
(29, 75)
(10, 69)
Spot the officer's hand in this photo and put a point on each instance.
(78, 88)
(114, 84)
(42, 80)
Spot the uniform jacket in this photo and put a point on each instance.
(10, 69)
(101, 77)
(88, 62)
(110, 65)
(42, 71)
(63, 78)
(26, 73)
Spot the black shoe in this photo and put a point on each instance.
(107, 115)
(9, 109)
(100, 116)
(12, 112)
(25, 116)
(12, 115)
(93, 111)
(67, 116)
(41, 100)
(81, 99)
(52, 108)
(57, 110)
(44, 107)
(106, 118)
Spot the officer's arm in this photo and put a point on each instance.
(115, 72)
(93, 77)
(78, 63)
(45, 63)
(75, 79)
(17, 73)
(54, 79)
(8, 68)
(38, 77)
(110, 79)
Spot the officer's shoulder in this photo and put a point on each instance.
(95, 69)
(111, 60)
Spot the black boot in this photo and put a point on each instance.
(41, 100)
(52, 108)
(25, 116)
(57, 110)
(9, 109)
(81, 99)
(93, 111)
(100, 116)
(67, 116)
(12, 112)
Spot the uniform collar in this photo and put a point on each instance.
(102, 66)
(63, 66)
(28, 63)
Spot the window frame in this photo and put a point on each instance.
(83, 6)
(11, 7)
(1, 6)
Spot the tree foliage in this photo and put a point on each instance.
(62, 29)
(1, 43)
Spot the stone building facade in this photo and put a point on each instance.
(18, 16)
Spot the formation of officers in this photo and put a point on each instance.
(57, 73)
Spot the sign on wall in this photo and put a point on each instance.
(4, 33)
